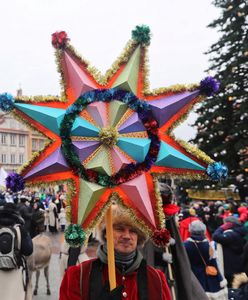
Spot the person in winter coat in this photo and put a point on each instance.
(231, 236)
(37, 221)
(25, 212)
(200, 254)
(135, 280)
(62, 219)
(188, 217)
(53, 216)
(239, 289)
(12, 282)
(243, 214)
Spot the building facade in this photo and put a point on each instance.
(17, 142)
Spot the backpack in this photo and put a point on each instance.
(10, 244)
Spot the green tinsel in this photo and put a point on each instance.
(75, 235)
(104, 180)
(141, 34)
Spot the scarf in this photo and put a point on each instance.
(125, 263)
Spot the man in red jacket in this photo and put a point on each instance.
(135, 280)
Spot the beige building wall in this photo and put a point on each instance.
(17, 142)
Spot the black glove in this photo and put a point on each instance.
(115, 294)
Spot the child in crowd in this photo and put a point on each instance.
(62, 219)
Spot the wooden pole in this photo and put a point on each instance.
(110, 249)
(171, 276)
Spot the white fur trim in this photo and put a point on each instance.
(223, 283)
(172, 242)
(167, 257)
(220, 295)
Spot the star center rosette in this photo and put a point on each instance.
(110, 137)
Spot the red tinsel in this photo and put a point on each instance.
(151, 126)
(92, 175)
(59, 39)
(154, 151)
(161, 237)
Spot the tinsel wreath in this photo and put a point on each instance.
(6, 102)
(15, 182)
(75, 235)
(217, 171)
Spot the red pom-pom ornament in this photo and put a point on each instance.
(170, 209)
(161, 237)
(59, 39)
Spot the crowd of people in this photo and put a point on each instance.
(211, 249)
(216, 233)
(34, 206)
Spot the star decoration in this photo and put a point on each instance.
(110, 136)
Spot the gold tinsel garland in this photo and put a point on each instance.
(159, 203)
(103, 80)
(123, 58)
(196, 152)
(187, 175)
(58, 54)
(38, 98)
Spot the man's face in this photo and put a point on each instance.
(125, 238)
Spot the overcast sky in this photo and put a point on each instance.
(99, 31)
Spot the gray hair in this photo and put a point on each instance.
(197, 227)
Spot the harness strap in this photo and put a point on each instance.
(96, 283)
(142, 281)
(73, 256)
(18, 236)
(81, 281)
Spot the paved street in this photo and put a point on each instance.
(54, 272)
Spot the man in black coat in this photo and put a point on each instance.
(231, 236)
(25, 212)
(10, 216)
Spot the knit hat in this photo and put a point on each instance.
(232, 219)
(121, 216)
(197, 227)
(9, 210)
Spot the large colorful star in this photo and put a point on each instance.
(110, 135)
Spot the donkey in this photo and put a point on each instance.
(39, 260)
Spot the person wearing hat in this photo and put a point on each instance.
(25, 212)
(201, 255)
(189, 215)
(135, 279)
(231, 236)
(12, 282)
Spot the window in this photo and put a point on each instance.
(4, 158)
(21, 158)
(34, 144)
(12, 139)
(12, 158)
(41, 144)
(21, 140)
(4, 138)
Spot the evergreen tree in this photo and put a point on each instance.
(222, 123)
